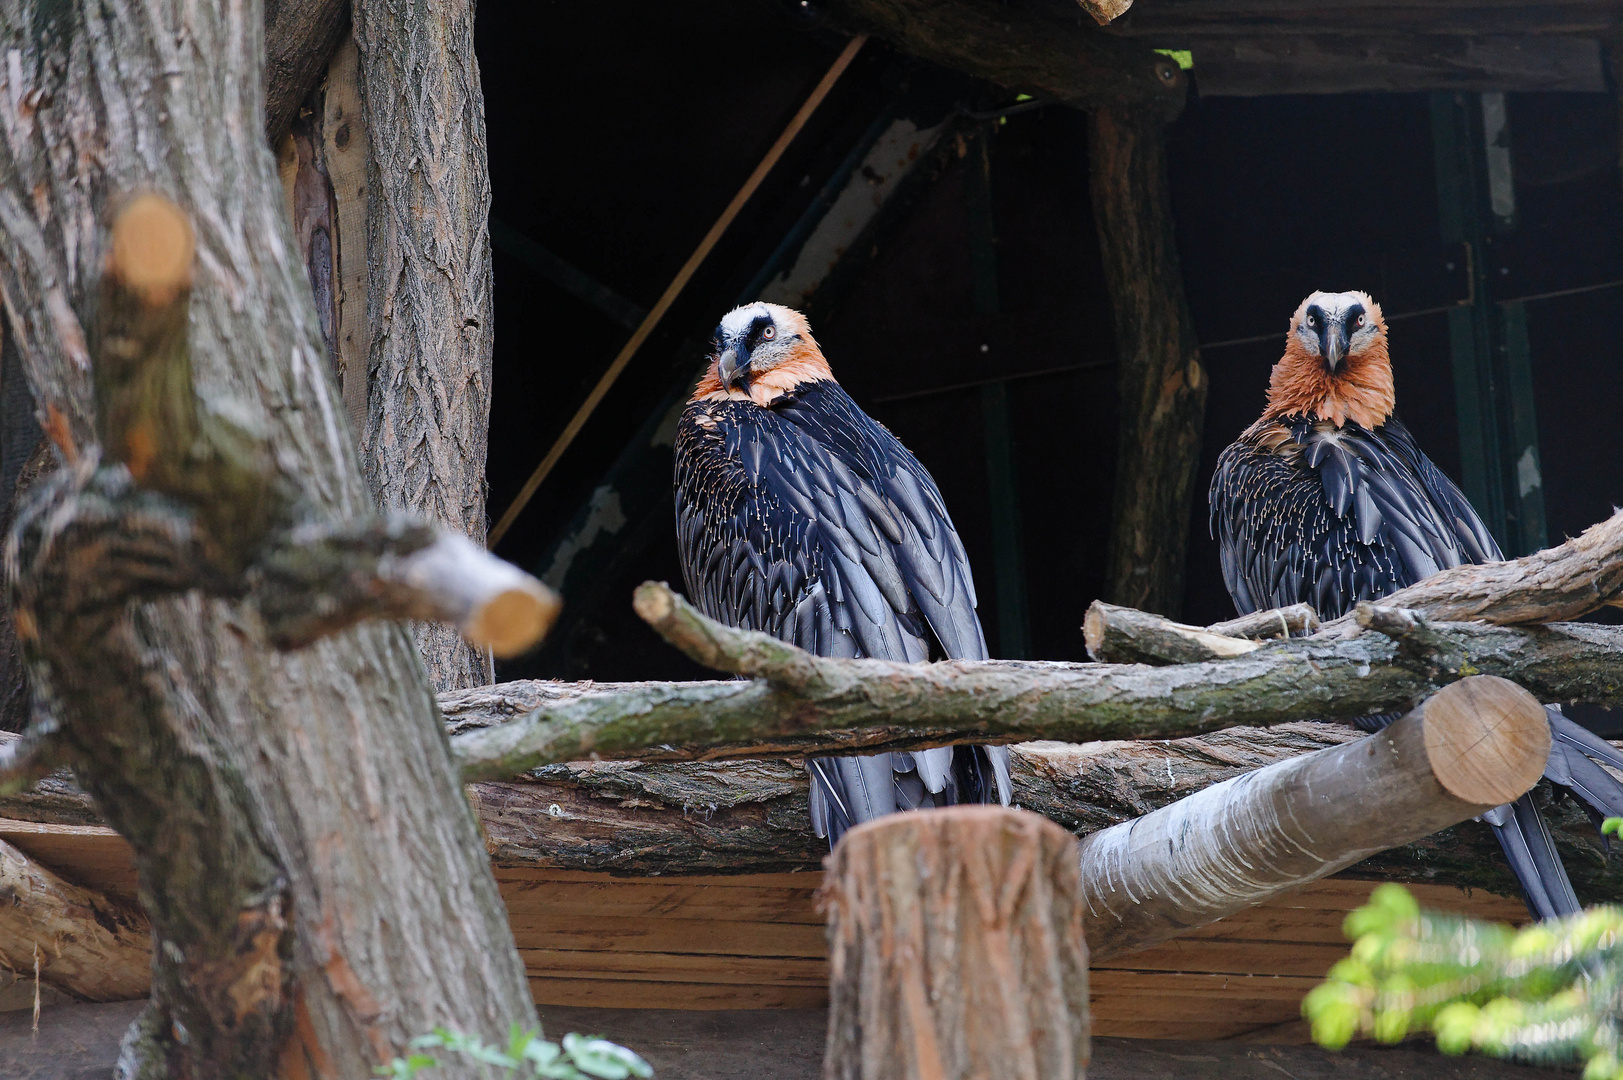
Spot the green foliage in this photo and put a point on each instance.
(579, 1057)
(1551, 992)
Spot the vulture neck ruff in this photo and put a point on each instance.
(804, 365)
(1360, 390)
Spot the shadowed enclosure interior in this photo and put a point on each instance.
(969, 312)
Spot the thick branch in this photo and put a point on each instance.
(1563, 582)
(1474, 745)
(325, 578)
(744, 817)
(92, 947)
(1124, 635)
(803, 704)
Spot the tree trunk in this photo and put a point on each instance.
(1161, 385)
(955, 949)
(1475, 745)
(306, 854)
(429, 298)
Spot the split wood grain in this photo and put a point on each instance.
(955, 949)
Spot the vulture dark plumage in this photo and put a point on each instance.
(1327, 499)
(800, 516)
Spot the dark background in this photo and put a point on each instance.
(618, 159)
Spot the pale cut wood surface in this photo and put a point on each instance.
(955, 949)
(1487, 740)
(1245, 840)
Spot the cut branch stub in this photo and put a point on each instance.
(1476, 744)
(324, 578)
(146, 406)
(956, 949)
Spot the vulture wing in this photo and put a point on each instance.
(810, 521)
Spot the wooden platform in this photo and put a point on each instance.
(756, 942)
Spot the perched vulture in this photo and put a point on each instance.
(800, 516)
(1327, 499)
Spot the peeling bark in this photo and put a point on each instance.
(429, 296)
(1474, 745)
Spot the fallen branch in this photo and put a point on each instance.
(1474, 745)
(1123, 635)
(803, 704)
(84, 943)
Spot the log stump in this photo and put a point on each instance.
(955, 949)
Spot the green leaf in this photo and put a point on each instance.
(1184, 58)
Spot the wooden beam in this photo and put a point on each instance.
(1160, 383)
(1250, 60)
(86, 944)
(955, 948)
(1474, 745)
(1043, 46)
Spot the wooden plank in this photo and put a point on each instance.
(629, 900)
(676, 967)
(810, 879)
(1233, 957)
(346, 147)
(93, 856)
(642, 995)
(1253, 64)
(712, 936)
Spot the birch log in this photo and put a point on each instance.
(955, 949)
(429, 298)
(84, 943)
(1476, 744)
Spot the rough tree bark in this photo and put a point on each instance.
(956, 949)
(300, 831)
(1160, 383)
(429, 299)
(1472, 746)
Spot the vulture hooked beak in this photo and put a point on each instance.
(733, 367)
(1333, 342)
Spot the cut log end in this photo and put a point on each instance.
(653, 602)
(1487, 739)
(152, 249)
(514, 619)
(1104, 12)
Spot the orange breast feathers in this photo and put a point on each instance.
(803, 364)
(1360, 390)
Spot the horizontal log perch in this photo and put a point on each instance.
(1475, 744)
(745, 817)
(84, 943)
(324, 578)
(802, 704)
